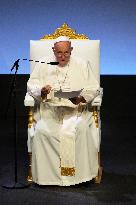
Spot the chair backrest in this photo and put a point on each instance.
(84, 48)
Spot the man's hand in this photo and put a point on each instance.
(77, 100)
(44, 91)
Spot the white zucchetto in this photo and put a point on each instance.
(61, 38)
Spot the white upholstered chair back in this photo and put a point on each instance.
(84, 48)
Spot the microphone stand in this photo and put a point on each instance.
(16, 184)
(15, 66)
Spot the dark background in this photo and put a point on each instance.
(118, 149)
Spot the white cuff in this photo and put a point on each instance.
(29, 100)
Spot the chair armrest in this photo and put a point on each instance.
(98, 100)
(29, 101)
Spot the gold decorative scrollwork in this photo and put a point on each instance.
(67, 171)
(65, 30)
(95, 115)
(30, 117)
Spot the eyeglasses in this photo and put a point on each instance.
(66, 54)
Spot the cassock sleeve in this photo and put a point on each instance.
(34, 84)
(91, 85)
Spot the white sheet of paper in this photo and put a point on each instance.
(67, 94)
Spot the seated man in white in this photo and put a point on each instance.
(63, 147)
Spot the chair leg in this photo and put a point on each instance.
(98, 178)
(29, 177)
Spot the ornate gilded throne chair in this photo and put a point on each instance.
(83, 47)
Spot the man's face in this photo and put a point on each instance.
(62, 51)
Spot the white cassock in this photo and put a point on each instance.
(65, 137)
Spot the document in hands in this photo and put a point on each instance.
(67, 94)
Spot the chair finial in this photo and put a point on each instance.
(64, 30)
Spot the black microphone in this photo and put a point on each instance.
(37, 61)
(53, 63)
